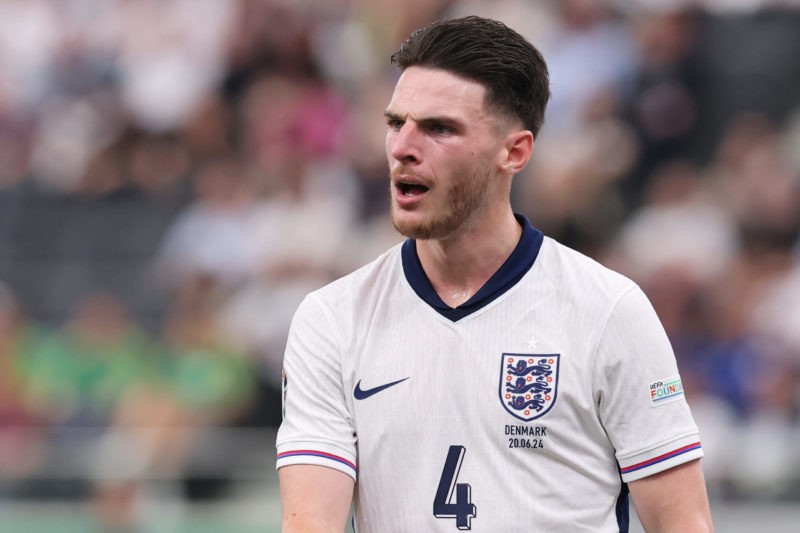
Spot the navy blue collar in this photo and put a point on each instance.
(517, 265)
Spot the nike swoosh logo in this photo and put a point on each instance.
(364, 394)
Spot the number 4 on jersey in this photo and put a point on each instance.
(443, 505)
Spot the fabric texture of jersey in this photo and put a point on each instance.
(530, 412)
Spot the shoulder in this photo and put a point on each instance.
(575, 273)
(362, 285)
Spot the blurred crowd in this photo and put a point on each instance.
(230, 153)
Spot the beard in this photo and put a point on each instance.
(463, 198)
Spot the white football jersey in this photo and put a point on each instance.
(527, 408)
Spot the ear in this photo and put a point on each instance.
(517, 150)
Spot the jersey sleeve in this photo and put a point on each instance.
(317, 426)
(639, 392)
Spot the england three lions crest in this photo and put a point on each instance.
(528, 384)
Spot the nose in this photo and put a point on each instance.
(403, 144)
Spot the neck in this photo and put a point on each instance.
(460, 265)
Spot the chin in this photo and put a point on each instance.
(410, 224)
(421, 228)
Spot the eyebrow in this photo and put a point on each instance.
(427, 121)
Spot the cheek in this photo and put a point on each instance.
(390, 142)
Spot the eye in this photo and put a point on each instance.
(441, 129)
(394, 123)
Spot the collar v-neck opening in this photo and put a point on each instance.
(510, 272)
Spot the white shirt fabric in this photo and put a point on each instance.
(423, 407)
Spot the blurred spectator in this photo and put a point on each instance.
(137, 163)
(298, 235)
(170, 56)
(29, 36)
(163, 427)
(774, 319)
(22, 437)
(592, 59)
(212, 381)
(212, 236)
(754, 180)
(693, 232)
(662, 106)
(746, 63)
(236, 149)
(79, 378)
(15, 142)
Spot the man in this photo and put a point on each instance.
(480, 376)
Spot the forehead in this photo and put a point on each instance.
(422, 92)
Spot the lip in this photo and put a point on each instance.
(404, 200)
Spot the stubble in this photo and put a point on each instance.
(464, 198)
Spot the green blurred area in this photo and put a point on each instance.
(257, 513)
(254, 517)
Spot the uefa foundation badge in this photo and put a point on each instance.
(528, 384)
(665, 391)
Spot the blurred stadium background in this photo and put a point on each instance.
(176, 174)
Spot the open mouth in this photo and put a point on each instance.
(411, 189)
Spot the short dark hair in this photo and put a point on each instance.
(488, 52)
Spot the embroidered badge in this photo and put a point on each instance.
(665, 391)
(528, 384)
